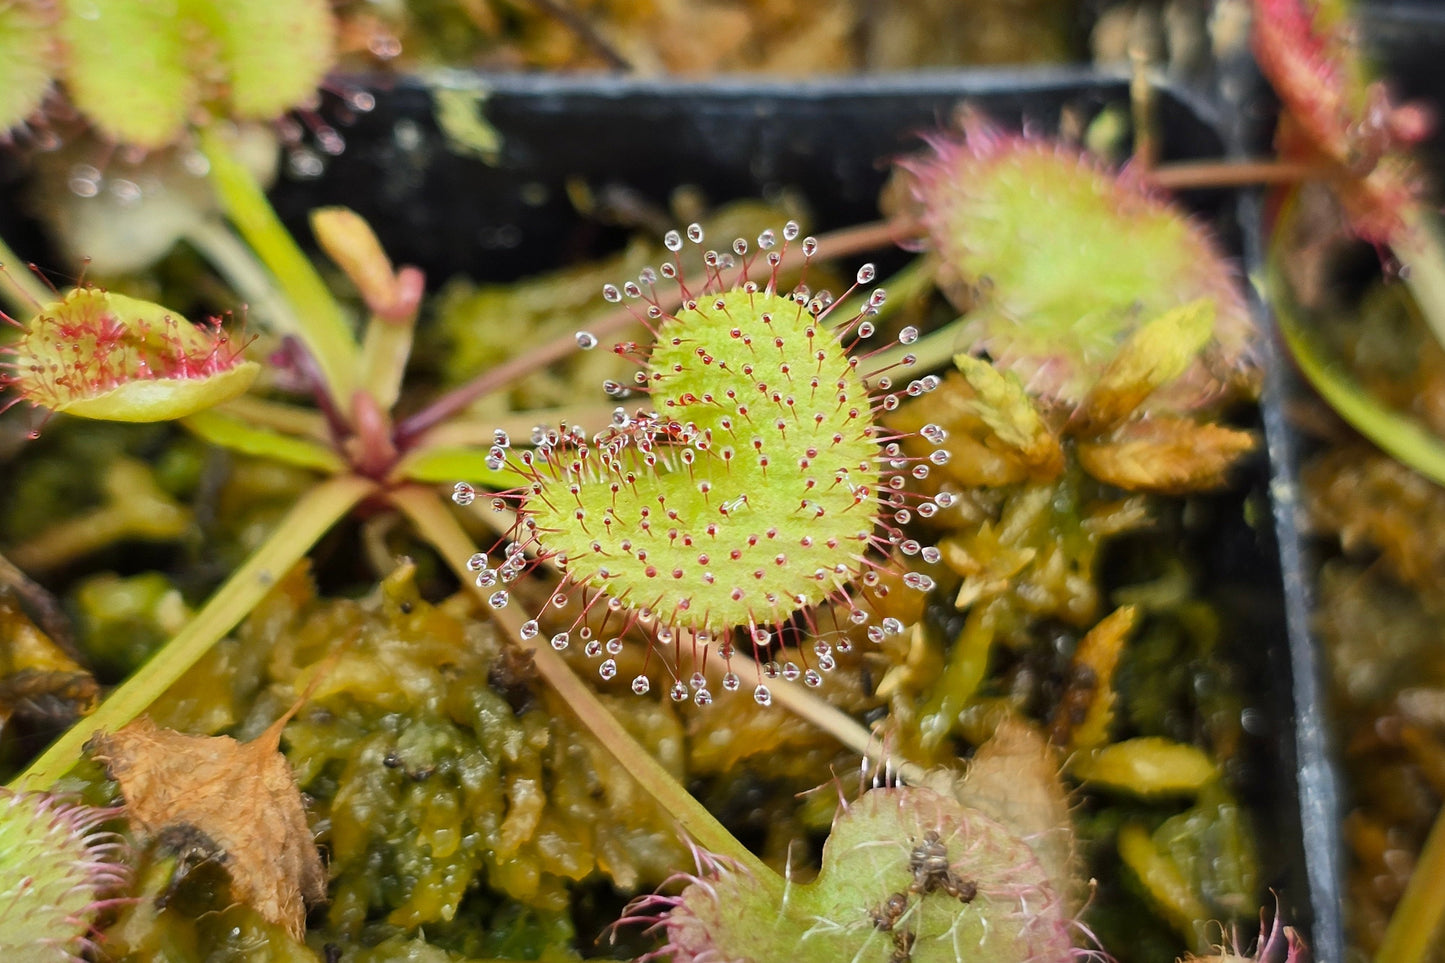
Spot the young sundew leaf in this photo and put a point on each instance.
(101, 355)
(1057, 260)
(908, 874)
(27, 59)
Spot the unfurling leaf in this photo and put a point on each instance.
(1006, 408)
(1154, 355)
(349, 241)
(101, 355)
(237, 800)
(1170, 456)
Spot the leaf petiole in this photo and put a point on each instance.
(320, 323)
(311, 517)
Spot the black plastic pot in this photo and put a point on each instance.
(1405, 38)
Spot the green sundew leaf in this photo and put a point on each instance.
(1009, 412)
(1153, 355)
(277, 51)
(164, 399)
(1148, 766)
(27, 59)
(231, 432)
(54, 878)
(446, 465)
(107, 356)
(1163, 880)
(1057, 260)
(870, 897)
(128, 67)
(1400, 436)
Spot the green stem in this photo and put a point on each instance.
(21, 289)
(437, 525)
(294, 535)
(384, 352)
(321, 326)
(1399, 436)
(1421, 251)
(1410, 937)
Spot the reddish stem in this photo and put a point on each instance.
(1189, 175)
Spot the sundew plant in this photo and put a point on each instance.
(802, 517)
(747, 493)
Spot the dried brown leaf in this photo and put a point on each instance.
(1375, 504)
(1082, 718)
(1171, 456)
(239, 796)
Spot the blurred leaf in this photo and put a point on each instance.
(1170, 456)
(236, 434)
(1153, 355)
(1006, 408)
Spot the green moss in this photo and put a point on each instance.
(122, 620)
(458, 800)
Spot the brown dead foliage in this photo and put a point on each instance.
(236, 800)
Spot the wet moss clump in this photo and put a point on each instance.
(455, 801)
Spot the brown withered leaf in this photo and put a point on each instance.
(1171, 456)
(1086, 709)
(40, 684)
(240, 796)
